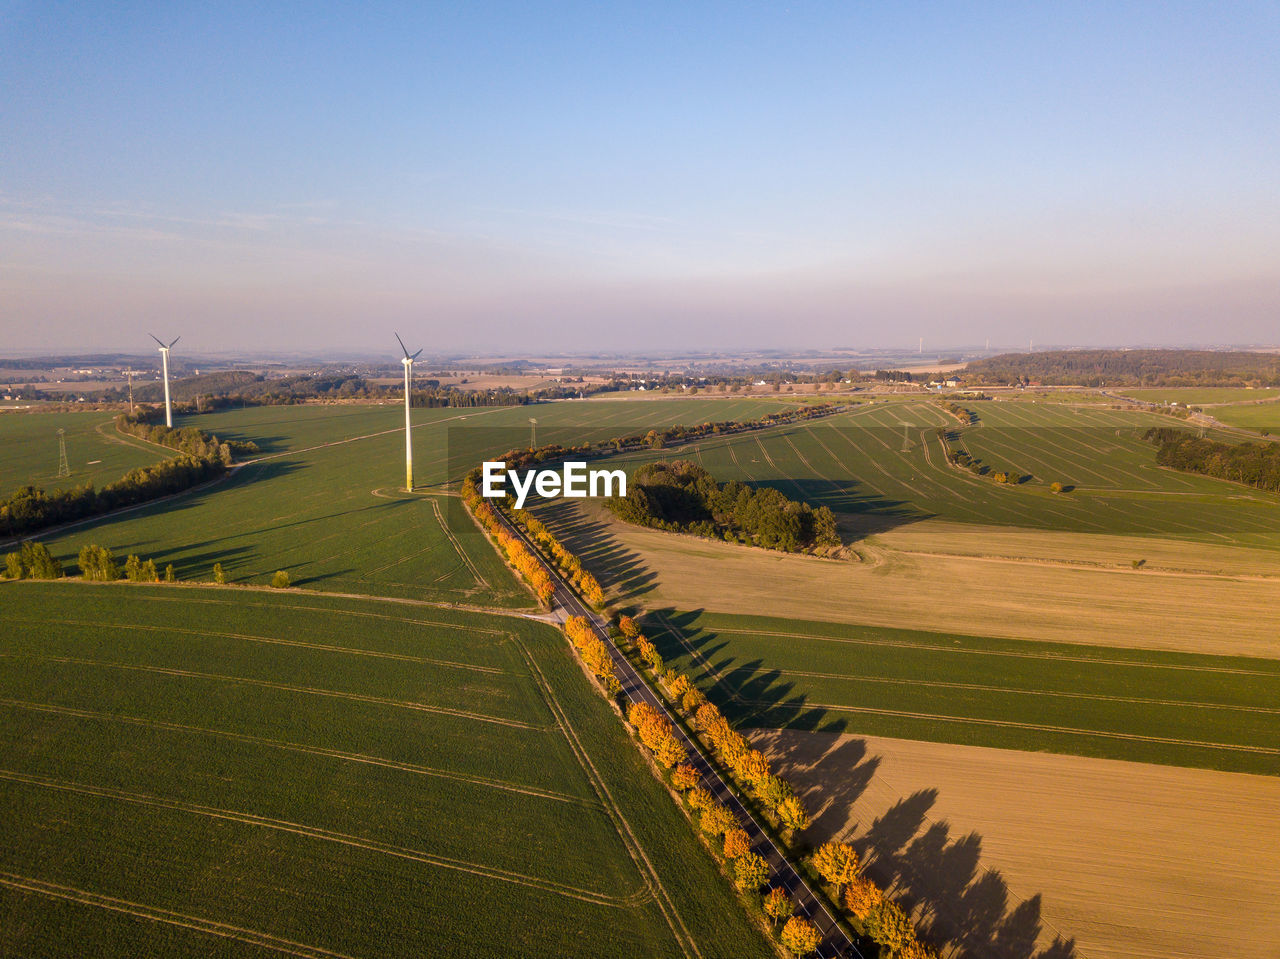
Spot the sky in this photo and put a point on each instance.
(638, 176)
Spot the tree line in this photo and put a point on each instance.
(683, 497)
(200, 458)
(526, 457)
(1257, 464)
(1128, 368)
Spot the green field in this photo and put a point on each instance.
(1216, 712)
(323, 501)
(1256, 416)
(203, 771)
(882, 465)
(1200, 396)
(96, 453)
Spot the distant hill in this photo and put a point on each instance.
(1128, 368)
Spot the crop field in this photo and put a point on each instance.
(226, 772)
(1201, 396)
(1256, 416)
(323, 501)
(96, 453)
(1216, 712)
(1131, 861)
(882, 465)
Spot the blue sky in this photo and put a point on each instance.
(644, 176)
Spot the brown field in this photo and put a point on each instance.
(1132, 861)
(973, 580)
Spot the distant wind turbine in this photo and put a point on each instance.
(164, 359)
(408, 392)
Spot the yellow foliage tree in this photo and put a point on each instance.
(800, 936)
(736, 843)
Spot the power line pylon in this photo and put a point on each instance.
(64, 468)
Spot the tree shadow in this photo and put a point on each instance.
(621, 571)
(745, 691)
(959, 906)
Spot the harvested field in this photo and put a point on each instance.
(1000, 596)
(1131, 861)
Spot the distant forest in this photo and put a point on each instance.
(1257, 464)
(212, 391)
(1127, 368)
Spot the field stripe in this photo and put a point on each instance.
(271, 641)
(167, 916)
(285, 687)
(978, 687)
(243, 603)
(363, 758)
(1056, 657)
(327, 835)
(1006, 724)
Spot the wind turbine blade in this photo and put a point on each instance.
(418, 354)
(158, 340)
(402, 346)
(175, 340)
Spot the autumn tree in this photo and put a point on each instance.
(685, 777)
(736, 843)
(777, 905)
(862, 898)
(800, 936)
(629, 627)
(716, 820)
(700, 797)
(837, 863)
(219, 576)
(793, 814)
(750, 872)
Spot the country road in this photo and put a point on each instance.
(835, 942)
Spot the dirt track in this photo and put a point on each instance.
(1133, 861)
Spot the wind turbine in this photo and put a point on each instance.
(408, 392)
(164, 358)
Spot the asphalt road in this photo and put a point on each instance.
(835, 943)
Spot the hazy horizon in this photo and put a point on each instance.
(580, 179)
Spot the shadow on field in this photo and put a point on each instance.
(746, 692)
(959, 906)
(615, 566)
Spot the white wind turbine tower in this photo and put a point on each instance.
(408, 393)
(164, 359)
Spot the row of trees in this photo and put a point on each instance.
(1257, 464)
(962, 459)
(962, 413)
(683, 497)
(187, 439)
(749, 767)
(31, 508)
(659, 439)
(513, 548)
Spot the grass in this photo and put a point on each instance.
(349, 775)
(1215, 712)
(95, 452)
